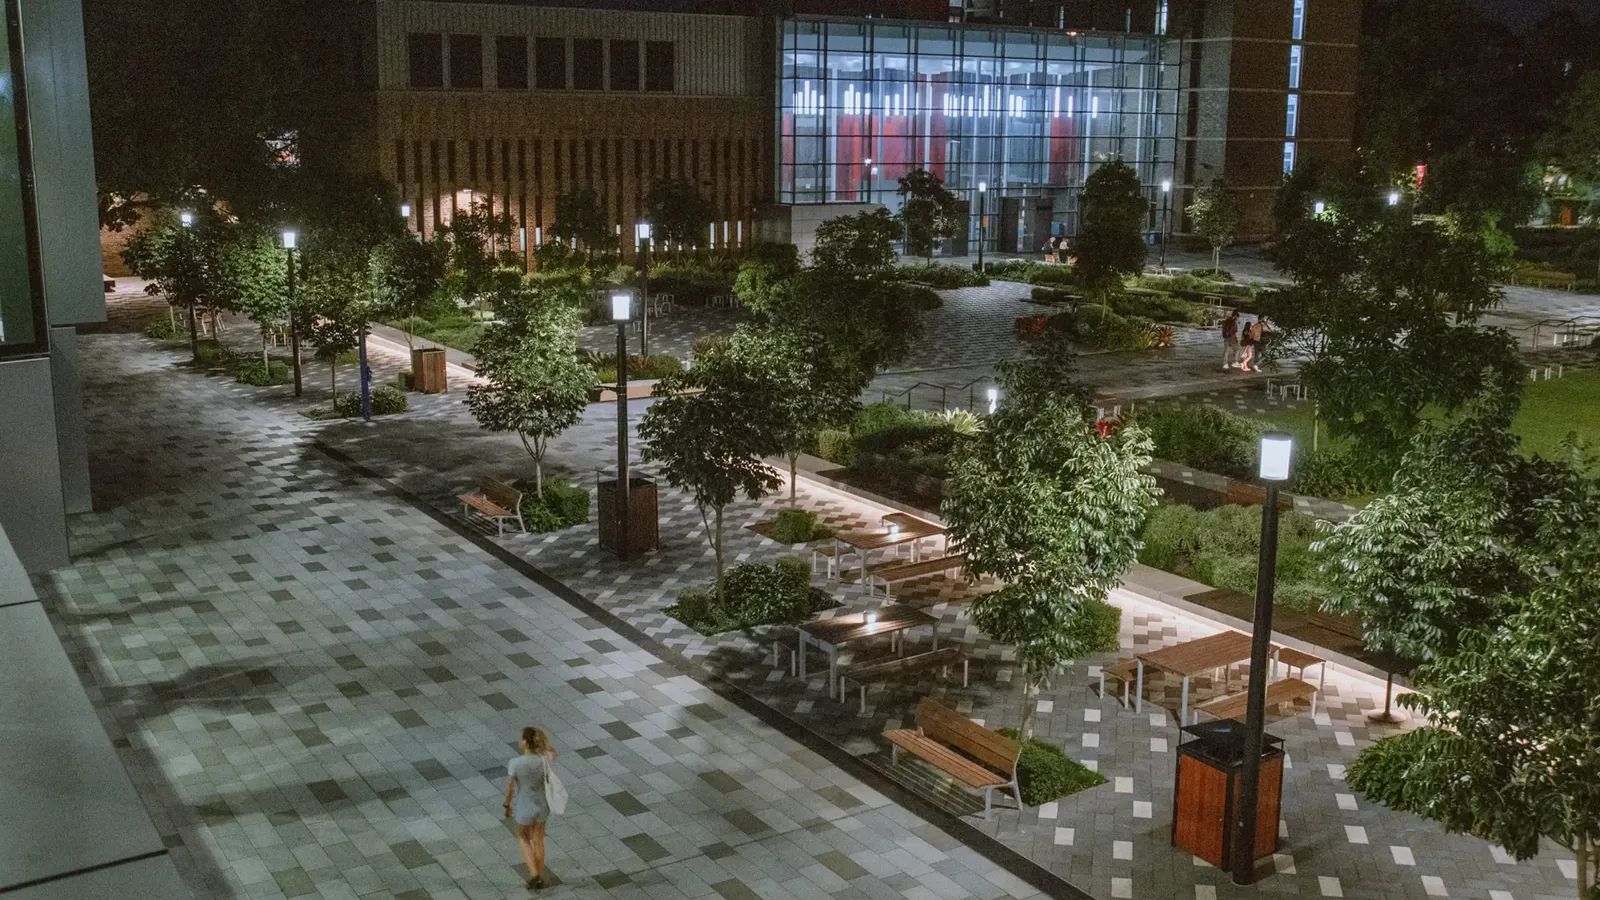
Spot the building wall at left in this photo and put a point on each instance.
(50, 227)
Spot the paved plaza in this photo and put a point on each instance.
(315, 670)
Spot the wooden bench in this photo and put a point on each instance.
(1234, 706)
(906, 571)
(980, 759)
(885, 670)
(1293, 659)
(1123, 670)
(495, 501)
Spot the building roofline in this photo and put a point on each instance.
(974, 26)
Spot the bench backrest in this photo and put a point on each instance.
(945, 725)
(501, 494)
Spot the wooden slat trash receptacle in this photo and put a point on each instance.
(428, 372)
(1205, 796)
(643, 533)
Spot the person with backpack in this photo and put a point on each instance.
(532, 793)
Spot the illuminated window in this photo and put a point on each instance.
(1294, 67)
(1288, 157)
(1297, 30)
(1293, 115)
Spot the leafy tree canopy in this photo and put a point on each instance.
(929, 212)
(678, 213)
(1214, 215)
(580, 218)
(858, 244)
(1110, 240)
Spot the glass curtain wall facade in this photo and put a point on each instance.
(1026, 112)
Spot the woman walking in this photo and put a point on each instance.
(1247, 346)
(525, 800)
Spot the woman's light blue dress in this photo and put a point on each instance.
(528, 806)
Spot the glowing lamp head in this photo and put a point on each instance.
(983, 186)
(621, 306)
(1394, 198)
(290, 240)
(186, 219)
(405, 210)
(1276, 451)
(871, 618)
(1319, 207)
(1166, 186)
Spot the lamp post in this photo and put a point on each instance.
(983, 219)
(1276, 450)
(866, 178)
(621, 312)
(1166, 220)
(186, 219)
(641, 237)
(290, 241)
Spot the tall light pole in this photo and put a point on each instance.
(1166, 220)
(621, 312)
(983, 219)
(186, 219)
(1276, 451)
(290, 241)
(866, 178)
(641, 237)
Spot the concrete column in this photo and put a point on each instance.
(32, 511)
(71, 443)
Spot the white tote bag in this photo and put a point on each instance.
(555, 793)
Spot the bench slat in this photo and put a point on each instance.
(877, 671)
(944, 759)
(947, 726)
(906, 571)
(483, 505)
(1278, 692)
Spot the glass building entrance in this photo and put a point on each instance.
(1026, 112)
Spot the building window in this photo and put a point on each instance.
(511, 62)
(588, 64)
(550, 64)
(1294, 67)
(466, 62)
(624, 65)
(1293, 115)
(1297, 29)
(1288, 157)
(425, 54)
(660, 63)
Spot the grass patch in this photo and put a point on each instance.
(563, 506)
(1553, 409)
(1046, 773)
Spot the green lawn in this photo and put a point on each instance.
(1550, 410)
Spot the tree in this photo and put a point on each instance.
(335, 304)
(799, 397)
(405, 274)
(480, 246)
(929, 212)
(1110, 241)
(1511, 751)
(257, 275)
(1214, 215)
(184, 264)
(1039, 500)
(858, 244)
(580, 218)
(677, 213)
(712, 443)
(535, 384)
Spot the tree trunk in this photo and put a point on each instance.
(1583, 866)
(172, 316)
(716, 544)
(333, 377)
(1216, 258)
(194, 333)
(1030, 702)
(792, 458)
(264, 363)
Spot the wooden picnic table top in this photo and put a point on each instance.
(908, 521)
(1200, 655)
(891, 618)
(878, 540)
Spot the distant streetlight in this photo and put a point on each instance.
(1276, 452)
(641, 240)
(405, 210)
(291, 240)
(1166, 220)
(983, 219)
(1319, 208)
(186, 219)
(994, 399)
(621, 313)
(1394, 198)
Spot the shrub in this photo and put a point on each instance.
(258, 374)
(406, 380)
(386, 400)
(711, 343)
(1170, 537)
(942, 276)
(836, 446)
(1213, 274)
(1045, 773)
(689, 282)
(1099, 625)
(1162, 308)
(1029, 272)
(210, 352)
(1220, 547)
(657, 365)
(1052, 295)
(163, 330)
(876, 417)
(563, 506)
(1097, 327)
(962, 421)
(1203, 436)
(794, 526)
(753, 594)
(1334, 473)
(920, 297)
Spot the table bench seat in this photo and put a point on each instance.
(890, 575)
(1123, 670)
(878, 671)
(1234, 706)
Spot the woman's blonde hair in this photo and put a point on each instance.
(536, 740)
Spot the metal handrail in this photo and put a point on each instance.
(1573, 325)
(945, 390)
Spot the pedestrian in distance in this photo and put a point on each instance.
(1260, 333)
(1230, 340)
(526, 803)
(1247, 346)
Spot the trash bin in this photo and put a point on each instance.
(427, 370)
(1205, 796)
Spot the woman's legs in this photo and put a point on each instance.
(533, 859)
(536, 842)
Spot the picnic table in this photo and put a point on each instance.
(903, 529)
(828, 635)
(1191, 658)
